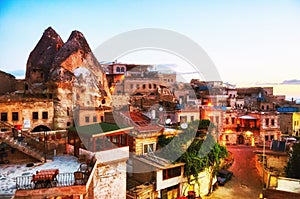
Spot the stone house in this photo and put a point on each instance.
(32, 114)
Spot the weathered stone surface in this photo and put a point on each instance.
(66, 73)
(78, 79)
(7, 83)
(41, 58)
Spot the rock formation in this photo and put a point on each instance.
(41, 58)
(69, 73)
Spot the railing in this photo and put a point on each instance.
(62, 180)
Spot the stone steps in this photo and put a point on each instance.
(22, 146)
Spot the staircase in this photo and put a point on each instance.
(6, 136)
(5, 126)
(23, 147)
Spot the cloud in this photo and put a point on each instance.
(285, 82)
(292, 81)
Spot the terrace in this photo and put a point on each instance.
(20, 176)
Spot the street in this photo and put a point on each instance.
(245, 183)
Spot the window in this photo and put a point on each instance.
(192, 118)
(267, 121)
(122, 69)
(124, 139)
(183, 119)
(95, 119)
(87, 119)
(149, 148)
(150, 86)
(114, 139)
(154, 86)
(118, 69)
(217, 120)
(266, 137)
(137, 86)
(232, 120)
(171, 173)
(35, 115)
(3, 117)
(226, 120)
(272, 122)
(262, 107)
(15, 116)
(45, 115)
(131, 86)
(144, 86)
(102, 118)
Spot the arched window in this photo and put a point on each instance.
(118, 69)
(122, 70)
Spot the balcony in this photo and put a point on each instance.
(50, 182)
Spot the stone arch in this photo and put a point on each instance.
(40, 128)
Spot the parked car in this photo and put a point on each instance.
(224, 176)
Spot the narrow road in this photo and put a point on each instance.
(245, 183)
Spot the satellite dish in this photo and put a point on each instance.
(184, 125)
(168, 121)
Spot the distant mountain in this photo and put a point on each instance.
(17, 73)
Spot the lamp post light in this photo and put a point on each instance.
(45, 145)
(263, 165)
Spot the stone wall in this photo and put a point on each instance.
(110, 181)
(285, 122)
(25, 108)
(7, 83)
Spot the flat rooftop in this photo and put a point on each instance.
(9, 172)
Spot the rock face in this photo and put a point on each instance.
(41, 58)
(69, 73)
(7, 83)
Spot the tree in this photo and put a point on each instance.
(203, 154)
(197, 154)
(293, 165)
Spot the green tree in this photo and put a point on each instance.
(203, 154)
(197, 154)
(292, 169)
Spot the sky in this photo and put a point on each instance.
(250, 42)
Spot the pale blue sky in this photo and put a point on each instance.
(249, 41)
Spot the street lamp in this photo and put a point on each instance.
(263, 165)
(45, 145)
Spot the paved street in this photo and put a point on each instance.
(245, 183)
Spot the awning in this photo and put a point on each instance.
(248, 117)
